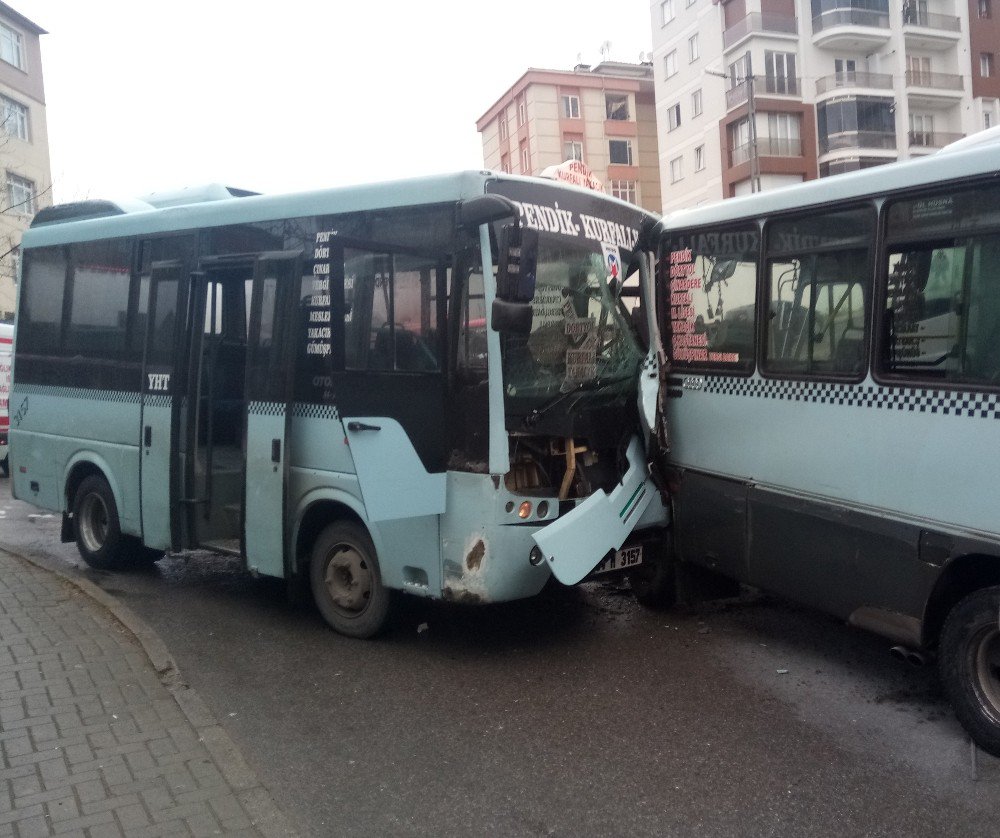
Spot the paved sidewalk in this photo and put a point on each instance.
(98, 736)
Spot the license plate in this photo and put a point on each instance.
(621, 559)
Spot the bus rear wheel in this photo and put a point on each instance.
(95, 524)
(346, 582)
(969, 662)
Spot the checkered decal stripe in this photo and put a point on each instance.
(266, 408)
(81, 393)
(315, 411)
(945, 402)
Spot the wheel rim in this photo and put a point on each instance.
(984, 654)
(93, 525)
(348, 579)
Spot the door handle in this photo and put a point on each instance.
(275, 450)
(362, 426)
(147, 435)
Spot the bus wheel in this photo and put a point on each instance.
(969, 662)
(95, 524)
(346, 582)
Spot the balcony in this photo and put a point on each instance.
(854, 80)
(848, 28)
(933, 90)
(768, 85)
(925, 31)
(931, 140)
(857, 140)
(757, 22)
(766, 147)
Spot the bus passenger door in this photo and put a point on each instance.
(163, 392)
(269, 379)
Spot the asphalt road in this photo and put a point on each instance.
(578, 713)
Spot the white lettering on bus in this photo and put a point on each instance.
(321, 253)
(159, 381)
(321, 268)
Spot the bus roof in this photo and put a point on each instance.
(217, 205)
(879, 180)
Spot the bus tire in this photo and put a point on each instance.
(969, 664)
(346, 582)
(95, 524)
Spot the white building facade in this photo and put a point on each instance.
(756, 94)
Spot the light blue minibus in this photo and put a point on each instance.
(442, 386)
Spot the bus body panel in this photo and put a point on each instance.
(155, 472)
(105, 434)
(394, 482)
(6, 353)
(484, 558)
(576, 543)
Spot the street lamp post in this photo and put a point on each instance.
(752, 125)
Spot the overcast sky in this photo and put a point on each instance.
(298, 94)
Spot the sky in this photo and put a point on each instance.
(145, 96)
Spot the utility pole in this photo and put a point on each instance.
(754, 155)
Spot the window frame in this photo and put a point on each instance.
(22, 206)
(23, 118)
(670, 64)
(566, 106)
(11, 36)
(628, 149)
(869, 290)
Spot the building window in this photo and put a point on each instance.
(985, 10)
(624, 190)
(11, 46)
(573, 150)
(694, 51)
(20, 195)
(667, 13)
(699, 158)
(989, 109)
(986, 64)
(571, 107)
(616, 106)
(784, 137)
(676, 169)
(696, 105)
(503, 126)
(673, 116)
(620, 152)
(522, 112)
(525, 159)
(15, 118)
(779, 68)
(505, 163)
(921, 129)
(670, 64)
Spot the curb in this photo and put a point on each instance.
(267, 818)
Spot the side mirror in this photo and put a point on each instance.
(518, 263)
(512, 317)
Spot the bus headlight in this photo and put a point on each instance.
(524, 510)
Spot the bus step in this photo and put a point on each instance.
(229, 546)
(232, 510)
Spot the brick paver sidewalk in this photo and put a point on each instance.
(93, 741)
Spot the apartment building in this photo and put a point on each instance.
(603, 116)
(756, 94)
(24, 144)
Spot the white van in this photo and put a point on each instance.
(6, 348)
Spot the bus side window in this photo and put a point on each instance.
(390, 311)
(819, 291)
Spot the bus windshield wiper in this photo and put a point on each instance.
(537, 413)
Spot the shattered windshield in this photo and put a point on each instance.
(580, 335)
